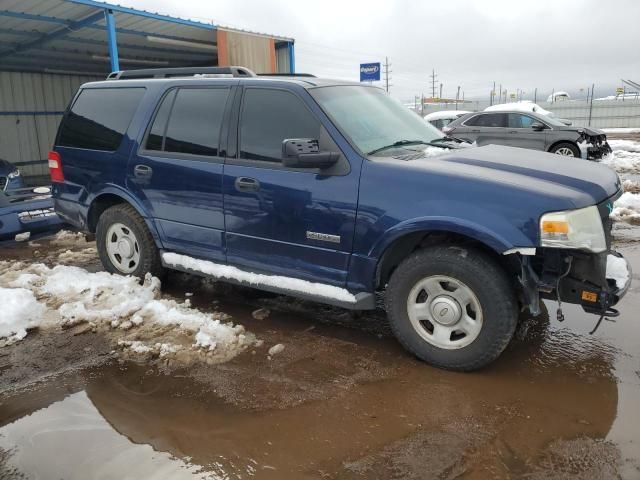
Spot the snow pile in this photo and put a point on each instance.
(626, 145)
(621, 130)
(233, 273)
(74, 295)
(617, 270)
(627, 208)
(20, 311)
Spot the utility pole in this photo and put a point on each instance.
(434, 77)
(535, 95)
(422, 104)
(493, 93)
(457, 97)
(386, 72)
(593, 86)
(440, 97)
(500, 94)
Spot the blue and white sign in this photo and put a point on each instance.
(369, 72)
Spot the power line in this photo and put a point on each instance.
(434, 77)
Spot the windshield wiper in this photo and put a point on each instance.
(399, 143)
(446, 138)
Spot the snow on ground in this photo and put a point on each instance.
(622, 130)
(625, 160)
(20, 311)
(35, 295)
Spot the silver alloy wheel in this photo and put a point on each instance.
(123, 248)
(445, 312)
(566, 151)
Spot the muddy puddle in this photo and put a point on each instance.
(341, 401)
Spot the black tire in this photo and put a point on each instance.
(491, 286)
(149, 255)
(566, 145)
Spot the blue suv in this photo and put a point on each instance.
(333, 191)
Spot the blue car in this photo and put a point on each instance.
(27, 210)
(10, 177)
(333, 191)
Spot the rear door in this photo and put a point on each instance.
(292, 222)
(177, 173)
(520, 133)
(489, 128)
(484, 129)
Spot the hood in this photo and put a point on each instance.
(593, 132)
(582, 182)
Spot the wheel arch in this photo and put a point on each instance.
(401, 244)
(110, 197)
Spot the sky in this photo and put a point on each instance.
(523, 45)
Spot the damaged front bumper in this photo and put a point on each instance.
(594, 148)
(575, 277)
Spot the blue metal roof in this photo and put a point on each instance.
(72, 36)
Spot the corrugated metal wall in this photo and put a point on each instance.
(282, 59)
(31, 106)
(251, 51)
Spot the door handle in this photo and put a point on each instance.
(142, 171)
(247, 184)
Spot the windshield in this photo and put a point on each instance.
(371, 119)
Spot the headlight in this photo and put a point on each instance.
(580, 229)
(14, 174)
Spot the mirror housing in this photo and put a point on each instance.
(537, 126)
(305, 153)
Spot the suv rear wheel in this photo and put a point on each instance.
(125, 245)
(452, 307)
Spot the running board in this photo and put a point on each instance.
(295, 287)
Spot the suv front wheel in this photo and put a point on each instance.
(452, 307)
(125, 244)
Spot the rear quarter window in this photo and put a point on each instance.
(99, 118)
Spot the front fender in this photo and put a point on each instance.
(499, 242)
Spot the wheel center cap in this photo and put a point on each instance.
(125, 248)
(445, 310)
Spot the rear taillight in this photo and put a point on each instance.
(55, 167)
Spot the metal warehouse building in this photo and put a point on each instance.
(48, 48)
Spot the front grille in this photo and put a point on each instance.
(3, 183)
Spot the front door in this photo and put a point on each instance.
(177, 174)
(290, 222)
(522, 135)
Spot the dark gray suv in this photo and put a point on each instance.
(530, 130)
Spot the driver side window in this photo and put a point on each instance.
(270, 116)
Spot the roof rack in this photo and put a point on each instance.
(286, 75)
(181, 72)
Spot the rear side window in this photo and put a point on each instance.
(189, 121)
(268, 118)
(488, 120)
(99, 118)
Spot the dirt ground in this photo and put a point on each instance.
(342, 401)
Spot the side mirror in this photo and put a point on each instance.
(305, 153)
(537, 126)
